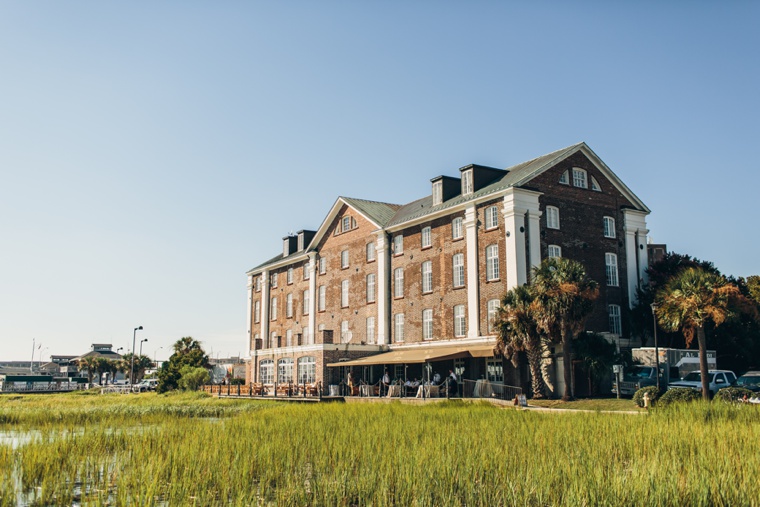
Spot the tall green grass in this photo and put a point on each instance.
(382, 454)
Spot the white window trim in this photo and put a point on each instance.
(370, 248)
(321, 296)
(306, 302)
(616, 325)
(344, 259)
(427, 277)
(492, 263)
(552, 217)
(344, 293)
(564, 178)
(611, 269)
(492, 307)
(289, 306)
(457, 272)
(398, 283)
(427, 324)
(457, 226)
(371, 288)
(398, 244)
(492, 217)
(580, 178)
(556, 249)
(460, 321)
(609, 227)
(398, 327)
(426, 237)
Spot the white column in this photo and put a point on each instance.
(473, 300)
(264, 318)
(248, 313)
(312, 296)
(636, 256)
(383, 288)
(518, 203)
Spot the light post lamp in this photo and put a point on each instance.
(155, 358)
(132, 359)
(656, 349)
(141, 342)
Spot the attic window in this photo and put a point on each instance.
(467, 182)
(346, 224)
(565, 178)
(579, 178)
(595, 185)
(437, 193)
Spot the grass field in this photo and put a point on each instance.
(193, 450)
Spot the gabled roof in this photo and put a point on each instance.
(378, 212)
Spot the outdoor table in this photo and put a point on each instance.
(394, 391)
(482, 389)
(429, 391)
(365, 390)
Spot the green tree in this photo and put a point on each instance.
(187, 352)
(88, 364)
(102, 366)
(753, 287)
(597, 355)
(518, 332)
(564, 300)
(192, 377)
(693, 299)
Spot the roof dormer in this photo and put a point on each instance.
(304, 238)
(289, 244)
(475, 177)
(444, 188)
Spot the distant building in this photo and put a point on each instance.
(656, 252)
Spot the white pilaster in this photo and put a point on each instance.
(636, 255)
(264, 319)
(312, 296)
(383, 287)
(473, 301)
(517, 204)
(249, 323)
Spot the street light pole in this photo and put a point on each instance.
(656, 349)
(132, 359)
(141, 342)
(155, 358)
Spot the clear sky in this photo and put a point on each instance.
(152, 152)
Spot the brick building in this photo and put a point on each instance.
(393, 286)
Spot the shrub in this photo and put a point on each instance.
(654, 395)
(729, 394)
(679, 395)
(237, 382)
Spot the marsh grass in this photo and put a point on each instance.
(251, 453)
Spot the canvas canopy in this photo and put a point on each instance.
(421, 355)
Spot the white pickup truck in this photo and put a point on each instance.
(717, 379)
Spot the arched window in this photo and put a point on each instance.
(285, 370)
(266, 371)
(307, 370)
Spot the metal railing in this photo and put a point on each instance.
(487, 389)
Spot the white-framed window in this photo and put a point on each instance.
(273, 280)
(370, 330)
(285, 370)
(495, 369)
(437, 193)
(399, 327)
(427, 324)
(398, 244)
(552, 217)
(457, 229)
(555, 251)
(290, 276)
(492, 262)
(345, 334)
(306, 273)
(371, 288)
(266, 371)
(458, 271)
(257, 311)
(427, 276)
(258, 284)
(273, 340)
(306, 336)
(610, 261)
(609, 227)
(370, 251)
(273, 309)
(289, 338)
(398, 282)
(344, 293)
(467, 182)
(346, 224)
(565, 178)
(322, 265)
(492, 217)
(579, 178)
(595, 185)
(615, 322)
(492, 309)
(321, 292)
(306, 302)
(426, 237)
(460, 328)
(344, 259)
(307, 370)
(289, 305)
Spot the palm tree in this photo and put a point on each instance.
(564, 300)
(518, 331)
(102, 366)
(88, 363)
(142, 363)
(690, 300)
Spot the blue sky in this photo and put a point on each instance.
(152, 152)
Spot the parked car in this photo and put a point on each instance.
(750, 380)
(148, 384)
(718, 379)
